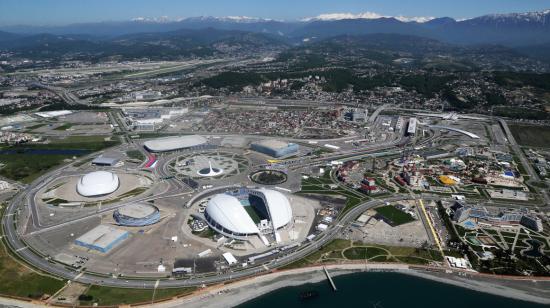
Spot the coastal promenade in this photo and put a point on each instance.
(238, 292)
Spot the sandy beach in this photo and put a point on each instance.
(243, 291)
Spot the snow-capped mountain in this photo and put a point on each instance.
(365, 15)
(514, 29)
(166, 19)
(542, 17)
(507, 29)
(161, 19)
(242, 19)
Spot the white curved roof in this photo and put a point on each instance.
(453, 129)
(227, 211)
(174, 143)
(278, 207)
(97, 183)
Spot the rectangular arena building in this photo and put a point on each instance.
(102, 238)
(274, 148)
(105, 161)
(411, 129)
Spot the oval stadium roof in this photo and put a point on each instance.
(174, 143)
(277, 205)
(97, 183)
(137, 210)
(228, 212)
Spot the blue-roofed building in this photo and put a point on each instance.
(102, 238)
(275, 148)
(137, 215)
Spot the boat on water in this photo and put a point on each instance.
(306, 295)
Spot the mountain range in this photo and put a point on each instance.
(515, 29)
(152, 45)
(528, 33)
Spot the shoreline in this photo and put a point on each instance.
(242, 291)
(239, 292)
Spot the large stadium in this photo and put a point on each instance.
(174, 143)
(248, 212)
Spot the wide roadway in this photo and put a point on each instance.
(45, 264)
(59, 270)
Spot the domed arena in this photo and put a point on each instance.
(97, 183)
(137, 215)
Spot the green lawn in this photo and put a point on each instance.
(135, 154)
(320, 186)
(335, 245)
(208, 233)
(17, 280)
(252, 213)
(361, 253)
(92, 143)
(106, 296)
(372, 252)
(351, 202)
(65, 126)
(395, 215)
(26, 168)
(411, 252)
(529, 135)
(35, 126)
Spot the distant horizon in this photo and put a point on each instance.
(53, 13)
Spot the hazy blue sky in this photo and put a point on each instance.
(53, 12)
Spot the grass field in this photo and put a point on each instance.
(91, 143)
(335, 245)
(106, 296)
(321, 186)
(253, 214)
(208, 233)
(35, 126)
(27, 167)
(361, 253)
(18, 280)
(344, 250)
(397, 216)
(529, 135)
(135, 154)
(65, 126)
(351, 202)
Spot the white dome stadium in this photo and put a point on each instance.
(277, 205)
(97, 183)
(225, 213)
